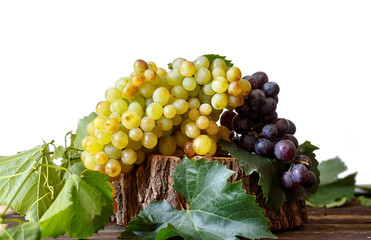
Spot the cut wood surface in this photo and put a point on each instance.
(152, 181)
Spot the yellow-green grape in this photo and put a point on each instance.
(121, 82)
(189, 83)
(169, 111)
(116, 115)
(124, 129)
(191, 130)
(219, 101)
(112, 152)
(130, 119)
(139, 99)
(157, 131)
(165, 123)
(103, 136)
(130, 91)
(212, 150)
(233, 74)
(235, 101)
(220, 84)
(147, 124)
(128, 156)
(202, 122)
(224, 132)
(193, 114)
(136, 134)
(181, 106)
(112, 125)
(178, 62)
(101, 158)
(174, 77)
(137, 79)
(150, 75)
(184, 124)
(112, 94)
(218, 72)
(180, 92)
(113, 168)
(99, 122)
(135, 145)
(161, 95)
(152, 66)
(166, 145)
(213, 128)
(136, 107)
(208, 89)
(202, 76)
(195, 91)
(126, 168)
(119, 106)
(147, 89)
(161, 72)
(119, 139)
(100, 168)
(149, 140)
(91, 145)
(215, 114)
(177, 120)
(180, 139)
(157, 80)
(205, 109)
(214, 138)
(235, 88)
(154, 110)
(201, 62)
(246, 87)
(88, 160)
(140, 66)
(148, 101)
(203, 97)
(90, 128)
(188, 149)
(103, 108)
(187, 68)
(141, 156)
(202, 144)
(218, 62)
(193, 103)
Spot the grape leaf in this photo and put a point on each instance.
(81, 129)
(82, 208)
(34, 196)
(25, 231)
(270, 171)
(332, 190)
(217, 209)
(365, 201)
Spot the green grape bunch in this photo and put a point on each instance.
(163, 112)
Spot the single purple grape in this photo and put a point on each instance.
(270, 131)
(255, 99)
(284, 150)
(269, 105)
(305, 160)
(282, 125)
(312, 179)
(264, 147)
(226, 118)
(271, 89)
(261, 77)
(292, 138)
(292, 129)
(287, 182)
(247, 141)
(241, 124)
(299, 173)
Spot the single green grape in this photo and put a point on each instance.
(202, 144)
(147, 124)
(136, 107)
(219, 101)
(112, 94)
(136, 134)
(149, 140)
(103, 136)
(130, 119)
(202, 76)
(201, 62)
(113, 168)
(128, 156)
(165, 123)
(112, 152)
(154, 110)
(166, 145)
(161, 95)
(119, 139)
(101, 158)
(189, 83)
(103, 108)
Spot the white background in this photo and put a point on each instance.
(57, 58)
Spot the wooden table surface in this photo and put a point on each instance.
(350, 221)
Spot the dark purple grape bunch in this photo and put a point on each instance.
(299, 174)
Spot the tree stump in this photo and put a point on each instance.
(152, 181)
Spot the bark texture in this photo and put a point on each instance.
(152, 181)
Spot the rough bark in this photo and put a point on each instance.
(152, 181)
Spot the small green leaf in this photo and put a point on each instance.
(365, 201)
(25, 231)
(36, 193)
(217, 209)
(82, 208)
(58, 152)
(212, 57)
(81, 129)
(332, 190)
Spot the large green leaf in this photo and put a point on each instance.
(25, 231)
(270, 171)
(82, 208)
(37, 189)
(217, 209)
(81, 129)
(333, 191)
